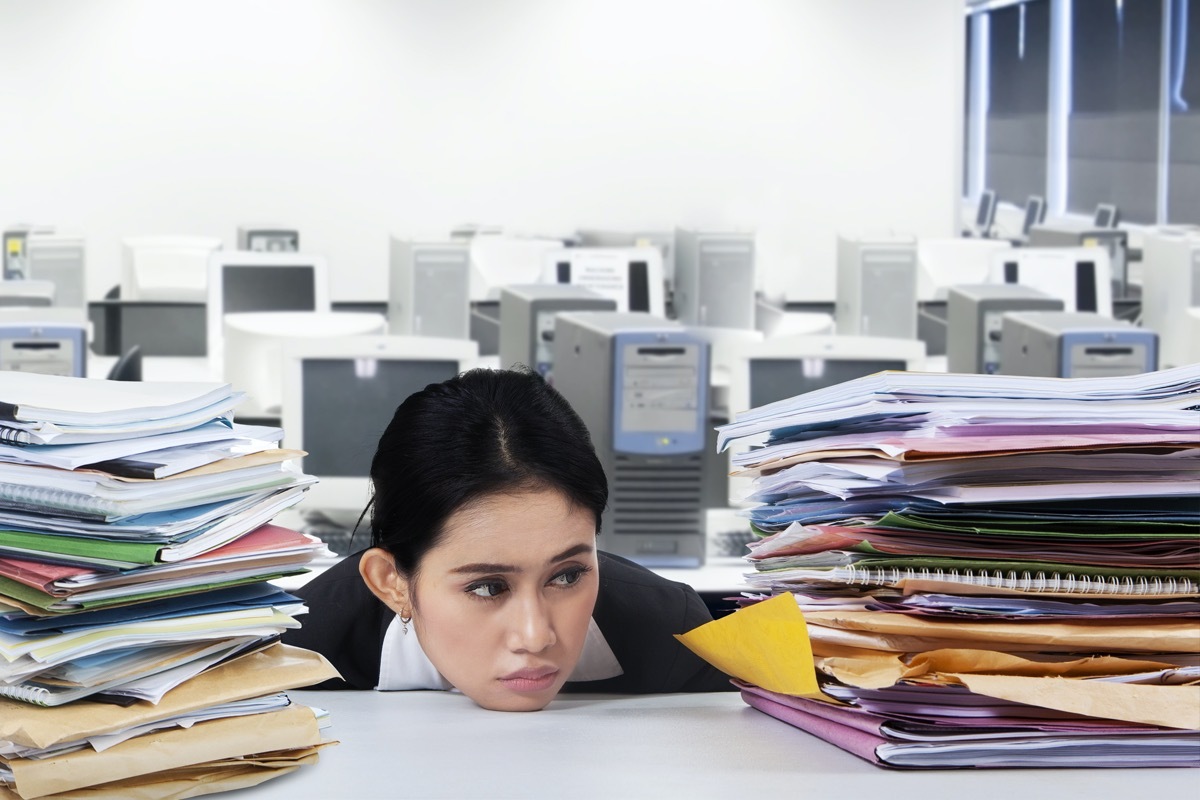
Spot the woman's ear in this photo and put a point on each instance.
(378, 571)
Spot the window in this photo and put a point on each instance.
(1116, 58)
(1018, 100)
(1183, 102)
(1088, 102)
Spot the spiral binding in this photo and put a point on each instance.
(49, 498)
(15, 436)
(37, 695)
(1069, 583)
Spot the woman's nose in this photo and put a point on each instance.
(532, 629)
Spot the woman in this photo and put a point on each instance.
(483, 575)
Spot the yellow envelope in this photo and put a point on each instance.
(765, 644)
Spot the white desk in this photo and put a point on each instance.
(157, 368)
(438, 744)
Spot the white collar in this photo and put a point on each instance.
(403, 664)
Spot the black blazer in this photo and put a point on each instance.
(636, 610)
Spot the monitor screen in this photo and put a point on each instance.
(774, 379)
(1087, 294)
(1106, 216)
(268, 288)
(1034, 207)
(631, 277)
(348, 402)
(987, 209)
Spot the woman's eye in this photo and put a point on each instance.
(569, 577)
(486, 589)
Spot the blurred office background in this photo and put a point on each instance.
(353, 119)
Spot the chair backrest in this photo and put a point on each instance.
(128, 366)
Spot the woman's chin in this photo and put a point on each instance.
(515, 701)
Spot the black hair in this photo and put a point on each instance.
(480, 433)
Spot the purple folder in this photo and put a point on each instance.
(864, 734)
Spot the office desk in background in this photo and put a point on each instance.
(440, 744)
(162, 328)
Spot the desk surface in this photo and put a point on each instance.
(439, 744)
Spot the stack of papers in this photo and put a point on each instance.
(136, 616)
(986, 559)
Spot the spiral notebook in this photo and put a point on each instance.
(1092, 583)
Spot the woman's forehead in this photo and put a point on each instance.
(532, 523)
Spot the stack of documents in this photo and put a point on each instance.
(139, 648)
(983, 559)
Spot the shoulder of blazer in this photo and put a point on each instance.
(345, 623)
(639, 612)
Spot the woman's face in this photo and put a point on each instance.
(501, 605)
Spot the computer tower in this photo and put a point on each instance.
(15, 239)
(1075, 344)
(527, 315)
(48, 341)
(1170, 286)
(714, 279)
(640, 383)
(877, 287)
(60, 259)
(974, 319)
(429, 289)
(268, 238)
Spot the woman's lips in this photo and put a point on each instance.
(530, 679)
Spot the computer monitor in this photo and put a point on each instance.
(240, 281)
(1035, 213)
(268, 239)
(632, 276)
(776, 369)
(340, 394)
(429, 289)
(166, 268)
(714, 278)
(985, 213)
(943, 262)
(663, 240)
(499, 260)
(254, 343)
(1079, 276)
(1106, 216)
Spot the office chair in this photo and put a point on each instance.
(128, 366)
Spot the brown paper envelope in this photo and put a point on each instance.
(1135, 636)
(208, 778)
(272, 456)
(292, 727)
(275, 669)
(1169, 706)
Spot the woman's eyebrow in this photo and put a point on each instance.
(571, 552)
(473, 569)
(476, 569)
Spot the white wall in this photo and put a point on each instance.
(350, 119)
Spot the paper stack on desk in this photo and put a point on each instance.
(992, 570)
(139, 647)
